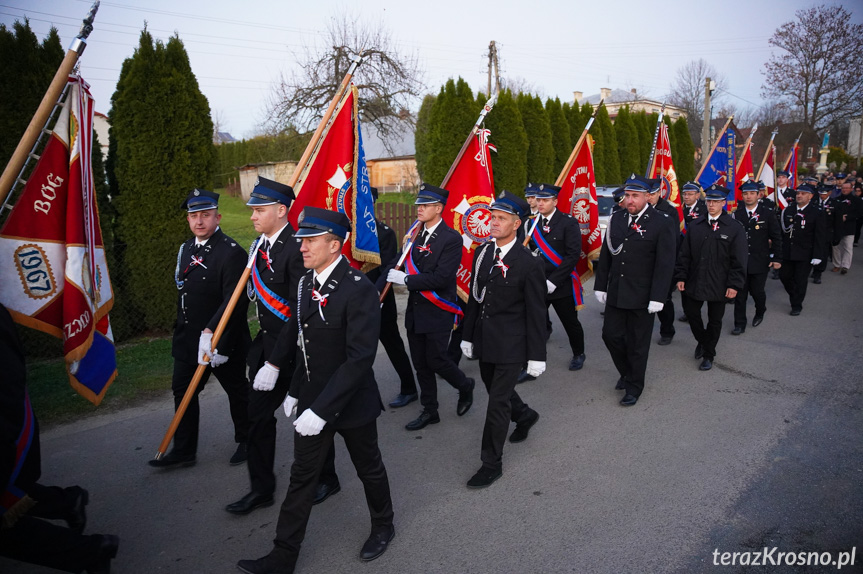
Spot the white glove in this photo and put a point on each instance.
(397, 277)
(655, 307)
(266, 378)
(217, 360)
(551, 286)
(467, 349)
(535, 368)
(204, 344)
(309, 424)
(815, 262)
(290, 406)
(601, 296)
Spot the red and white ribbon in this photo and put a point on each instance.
(321, 300)
(503, 267)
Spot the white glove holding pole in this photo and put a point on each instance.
(551, 286)
(309, 424)
(815, 262)
(290, 406)
(467, 349)
(655, 307)
(217, 360)
(396, 277)
(205, 352)
(266, 378)
(601, 296)
(535, 368)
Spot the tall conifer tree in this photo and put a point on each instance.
(540, 152)
(508, 135)
(560, 134)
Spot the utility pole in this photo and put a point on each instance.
(493, 62)
(709, 86)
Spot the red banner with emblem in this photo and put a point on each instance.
(745, 172)
(663, 168)
(577, 197)
(471, 191)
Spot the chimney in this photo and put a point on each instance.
(577, 96)
(605, 93)
(634, 92)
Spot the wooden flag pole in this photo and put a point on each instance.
(652, 160)
(407, 249)
(791, 154)
(241, 284)
(713, 148)
(15, 167)
(766, 153)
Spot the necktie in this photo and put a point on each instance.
(263, 254)
(544, 223)
(632, 220)
(496, 259)
(423, 237)
(317, 284)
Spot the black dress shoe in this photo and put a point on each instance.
(250, 502)
(706, 364)
(699, 351)
(817, 280)
(377, 542)
(402, 400)
(683, 319)
(522, 428)
(269, 564)
(107, 552)
(621, 384)
(240, 455)
(325, 491)
(577, 362)
(426, 418)
(663, 340)
(628, 400)
(757, 320)
(523, 377)
(795, 312)
(484, 477)
(173, 460)
(465, 398)
(76, 518)
(738, 330)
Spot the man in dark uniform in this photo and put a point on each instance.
(764, 240)
(782, 186)
(504, 328)
(825, 201)
(635, 266)
(711, 268)
(332, 390)
(557, 240)
(762, 197)
(431, 310)
(277, 268)
(530, 196)
(848, 208)
(209, 265)
(693, 205)
(617, 196)
(666, 316)
(804, 228)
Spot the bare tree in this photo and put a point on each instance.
(520, 85)
(219, 123)
(819, 67)
(389, 81)
(687, 92)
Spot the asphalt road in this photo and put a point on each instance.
(764, 450)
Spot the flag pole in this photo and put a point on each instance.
(15, 168)
(407, 248)
(785, 166)
(652, 160)
(571, 160)
(712, 149)
(745, 149)
(241, 284)
(766, 153)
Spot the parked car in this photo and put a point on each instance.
(606, 202)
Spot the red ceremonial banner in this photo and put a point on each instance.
(663, 168)
(471, 191)
(577, 197)
(745, 172)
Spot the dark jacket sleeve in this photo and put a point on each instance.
(442, 276)
(571, 253)
(666, 255)
(819, 250)
(603, 266)
(232, 271)
(739, 252)
(471, 312)
(774, 231)
(681, 270)
(535, 291)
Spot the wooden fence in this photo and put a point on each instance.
(399, 216)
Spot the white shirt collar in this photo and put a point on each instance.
(325, 274)
(431, 230)
(549, 216)
(204, 242)
(640, 213)
(272, 238)
(504, 249)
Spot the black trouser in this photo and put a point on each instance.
(504, 405)
(626, 333)
(666, 316)
(310, 454)
(568, 315)
(39, 542)
(709, 336)
(754, 286)
(232, 377)
(858, 229)
(394, 346)
(428, 352)
(817, 270)
(262, 431)
(795, 279)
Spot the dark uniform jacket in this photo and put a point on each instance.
(790, 195)
(388, 245)
(437, 266)
(804, 233)
(851, 206)
(508, 326)
(204, 295)
(764, 237)
(339, 349)
(712, 261)
(564, 236)
(699, 209)
(768, 203)
(641, 270)
(285, 271)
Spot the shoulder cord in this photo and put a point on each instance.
(480, 297)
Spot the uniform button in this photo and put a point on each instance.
(307, 341)
(305, 325)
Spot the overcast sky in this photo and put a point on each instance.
(238, 49)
